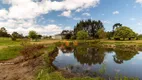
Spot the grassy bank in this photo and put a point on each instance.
(10, 49)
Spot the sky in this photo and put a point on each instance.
(50, 17)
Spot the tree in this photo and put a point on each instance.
(116, 26)
(3, 32)
(109, 35)
(14, 36)
(33, 35)
(67, 34)
(39, 36)
(139, 36)
(90, 26)
(82, 35)
(124, 32)
(101, 33)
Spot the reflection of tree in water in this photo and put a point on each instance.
(121, 56)
(89, 55)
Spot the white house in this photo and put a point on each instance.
(58, 37)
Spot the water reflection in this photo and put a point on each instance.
(90, 59)
(121, 56)
(89, 56)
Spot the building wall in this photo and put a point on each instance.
(58, 37)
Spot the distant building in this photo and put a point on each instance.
(58, 37)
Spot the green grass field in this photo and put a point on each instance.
(9, 49)
(10, 52)
(9, 42)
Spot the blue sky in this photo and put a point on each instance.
(49, 17)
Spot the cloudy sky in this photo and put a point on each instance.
(50, 17)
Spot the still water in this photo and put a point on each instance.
(92, 60)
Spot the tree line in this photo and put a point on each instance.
(91, 29)
(15, 35)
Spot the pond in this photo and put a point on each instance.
(97, 61)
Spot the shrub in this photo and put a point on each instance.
(101, 33)
(82, 35)
(124, 32)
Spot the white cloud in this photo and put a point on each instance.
(86, 14)
(29, 9)
(24, 26)
(50, 29)
(115, 12)
(78, 10)
(3, 14)
(66, 14)
(139, 1)
(22, 14)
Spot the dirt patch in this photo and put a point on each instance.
(18, 69)
(45, 42)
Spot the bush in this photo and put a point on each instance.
(82, 35)
(124, 32)
(101, 33)
(73, 38)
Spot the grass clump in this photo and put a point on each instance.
(10, 52)
(120, 77)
